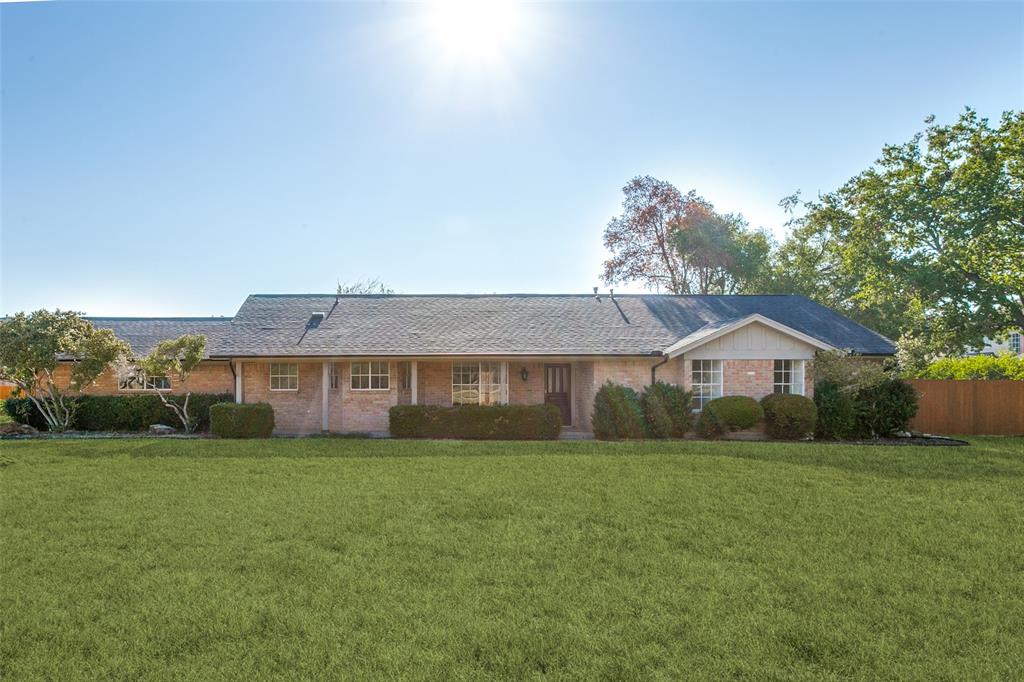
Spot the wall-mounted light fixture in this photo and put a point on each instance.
(524, 374)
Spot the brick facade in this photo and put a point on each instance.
(211, 376)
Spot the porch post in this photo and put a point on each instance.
(413, 381)
(238, 381)
(325, 386)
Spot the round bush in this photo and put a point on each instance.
(731, 413)
(617, 413)
(667, 410)
(887, 407)
(788, 416)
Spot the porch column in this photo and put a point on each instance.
(413, 381)
(239, 368)
(325, 392)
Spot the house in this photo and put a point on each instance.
(1011, 343)
(338, 363)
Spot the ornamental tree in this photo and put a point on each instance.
(33, 345)
(178, 358)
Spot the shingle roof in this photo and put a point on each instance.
(276, 324)
(142, 333)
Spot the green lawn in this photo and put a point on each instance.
(322, 558)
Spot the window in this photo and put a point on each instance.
(706, 380)
(1015, 342)
(479, 383)
(405, 375)
(371, 376)
(284, 376)
(332, 375)
(136, 380)
(789, 377)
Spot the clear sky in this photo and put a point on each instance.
(168, 159)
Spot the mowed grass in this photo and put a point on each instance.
(331, 558)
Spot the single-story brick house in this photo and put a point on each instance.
(338, 363)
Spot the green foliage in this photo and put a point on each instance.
(667, 410)
(246, 420)
(178, 358)
(849, 372)
(718, 253)
(788, 416)
(926, 243)
(116, 412)
(837, 412)
(31, 346)
(977, 367)
(476, 422)
(886, 408)
(729, 413)
(617, 413)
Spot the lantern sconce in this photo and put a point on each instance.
(524, 374)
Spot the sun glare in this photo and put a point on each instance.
(470, 31)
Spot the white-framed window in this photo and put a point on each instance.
(479, 383)
(371, 376)
(789, 377)
(1014, 342)
(404, 371)
(136, 380)
(705, 381)
(332, 376)
(284, 376)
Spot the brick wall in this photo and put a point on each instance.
(295, 412)
(211, 376)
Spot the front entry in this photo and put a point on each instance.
(557, 389)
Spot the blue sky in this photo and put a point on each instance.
(168, 159)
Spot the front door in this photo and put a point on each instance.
(557, 389)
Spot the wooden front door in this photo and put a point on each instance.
(557, 389)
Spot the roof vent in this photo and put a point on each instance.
(314, 320)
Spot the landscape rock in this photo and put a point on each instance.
(162, 430)
(16, 429)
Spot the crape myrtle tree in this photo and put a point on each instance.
(676, 242)
(365, 287)
(31, 347)
(178, 358)
(927, 245)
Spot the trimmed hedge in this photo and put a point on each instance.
(119, 412)
(476, 422)
(1003, 366)
(667, 410)
(788, 416)
(245, 420)
(729, 413)
(617, 413)
(837, 412)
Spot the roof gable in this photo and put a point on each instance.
(717, 330)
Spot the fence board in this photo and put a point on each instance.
(970, 407)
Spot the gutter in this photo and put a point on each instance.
(654, 367)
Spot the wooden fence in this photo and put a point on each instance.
(970, 407)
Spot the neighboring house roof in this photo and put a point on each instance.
(515, 324)
(143, 333)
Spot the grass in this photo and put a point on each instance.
(326, 558)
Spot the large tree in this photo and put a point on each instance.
(675, 242)
(33, 345)
(927, 243)
(178, 358)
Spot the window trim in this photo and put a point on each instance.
(796, 377)
(720, 384)
(370, 363)
(502, 381)
(145, 380)
(271, 375)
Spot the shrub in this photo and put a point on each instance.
(245, 420)
(476, 422)
(617, 413)
(118, 412)
(886, 408)
(837, 412)
(667, 410)
(977, 367)
(788, 416)
(731, 413)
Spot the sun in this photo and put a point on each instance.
(482, 31)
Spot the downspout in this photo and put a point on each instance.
(654, 367)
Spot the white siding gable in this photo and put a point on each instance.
(754, 341)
